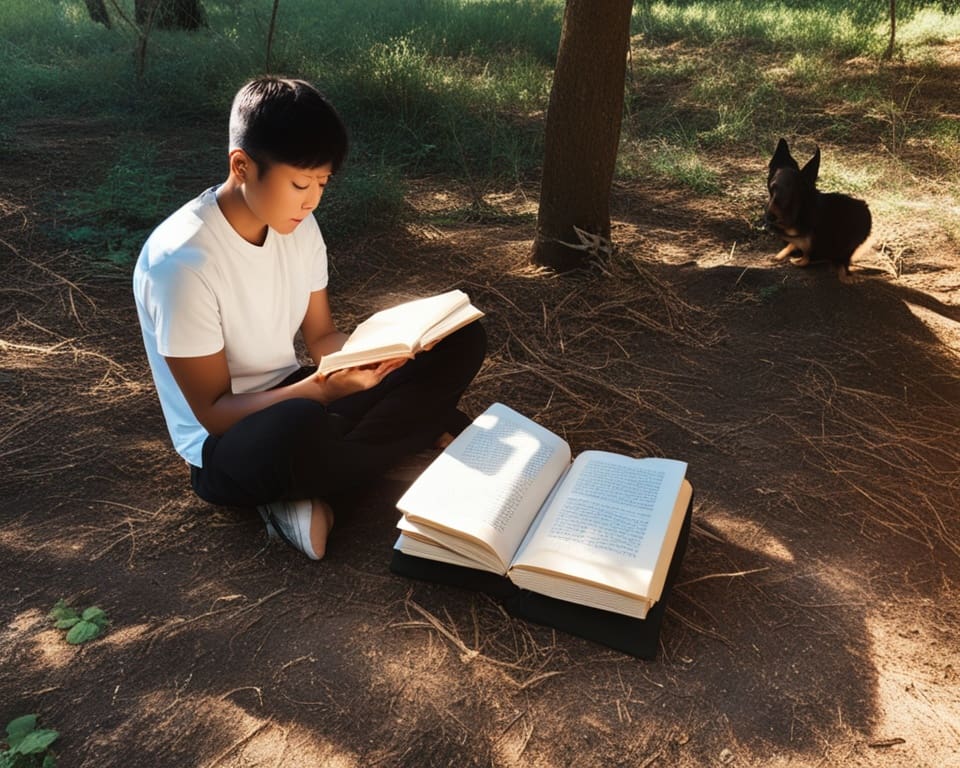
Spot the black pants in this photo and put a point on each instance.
(300, 449)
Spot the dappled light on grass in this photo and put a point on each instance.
(765, 24)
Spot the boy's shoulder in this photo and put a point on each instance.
(188, 230)
(188, 220)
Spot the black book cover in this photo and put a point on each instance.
(633, 636)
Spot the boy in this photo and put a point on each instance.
(222, 287)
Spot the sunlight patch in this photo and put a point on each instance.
(751, 535)
(945, 329)
(918, 674)
(125, 636)
(44, 647)
(221, 733)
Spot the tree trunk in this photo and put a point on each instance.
(170, 14)
(888, 54)
(98, 12)
(270, 31)
(582, 134)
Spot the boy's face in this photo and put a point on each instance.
(285, 195)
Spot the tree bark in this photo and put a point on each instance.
(888, 54)
(582, 134)
(170, 14)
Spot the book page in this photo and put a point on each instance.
(460, 317)
(489, 483)
(396, 331)
(607, 523)
(473, 552)
(410, 545)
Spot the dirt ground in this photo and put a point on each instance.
(816, 618)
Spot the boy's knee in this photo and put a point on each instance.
(471, 341)
(301, 420)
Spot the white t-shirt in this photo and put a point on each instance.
(200, 287)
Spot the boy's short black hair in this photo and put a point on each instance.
(282, 120)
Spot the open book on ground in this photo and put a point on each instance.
(403, 330)
(605, 531)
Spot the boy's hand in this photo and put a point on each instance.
(349, 380)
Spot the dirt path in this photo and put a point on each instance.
(817, 614)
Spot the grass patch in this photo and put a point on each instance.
(459, 88)
(928, 26)
(674, 163)
(110, 220)
(841, 28)
(362, 199)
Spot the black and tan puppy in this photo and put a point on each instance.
(816, 226)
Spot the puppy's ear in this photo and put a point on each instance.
(812, 169)
(782, 157)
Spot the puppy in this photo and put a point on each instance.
(816, 226)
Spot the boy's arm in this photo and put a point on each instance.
(205, 383)
(321, 336)
(319, 331)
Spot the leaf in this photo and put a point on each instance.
(66, 623)
(63, 611)
(36, 742)
(49, 761)
(97, 615)
(93, 612)
(82, 632)
(22, 725)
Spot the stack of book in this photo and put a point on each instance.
(589, 546)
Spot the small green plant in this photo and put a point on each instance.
(27, 745)
(81, 626)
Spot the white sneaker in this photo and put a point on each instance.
(290, 521)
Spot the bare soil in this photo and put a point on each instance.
(816, 618)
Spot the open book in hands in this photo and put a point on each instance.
(403, 330)
(504, 497)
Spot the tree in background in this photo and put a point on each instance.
(888, 54)
(907, 7)
(582, 134)
(163, 14)
(98, 12)
(170, 14)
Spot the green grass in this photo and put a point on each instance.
(111, 218)
(361, 198)
(674, 161)
(838, 27)
(459, 88)
(926, 26)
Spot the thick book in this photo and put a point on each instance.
(589, 546)
(403, 330)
